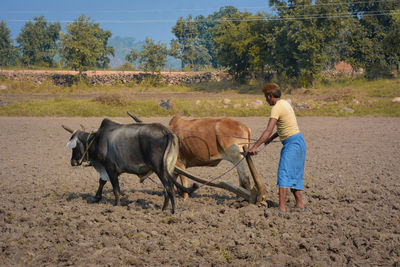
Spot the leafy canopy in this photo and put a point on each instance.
(185, 31)
(84, 45)
(8, 53)
(206, 27)
(153, 56)
(38, 42)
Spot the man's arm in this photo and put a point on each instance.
(265, 137)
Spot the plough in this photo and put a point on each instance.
(255, 196)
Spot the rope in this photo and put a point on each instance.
(87, 148)
(226, 135)
(221, 175)
(230, 169)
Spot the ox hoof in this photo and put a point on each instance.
(97, 199)
(194, 188)
(164, 207)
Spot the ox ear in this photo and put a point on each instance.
(72, 143)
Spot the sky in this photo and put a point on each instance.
(124, 18)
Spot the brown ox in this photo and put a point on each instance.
(207, 141)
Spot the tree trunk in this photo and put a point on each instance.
(182, 65)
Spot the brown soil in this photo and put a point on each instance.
(352, 194)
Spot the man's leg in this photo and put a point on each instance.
(282, 198)
(297, 196)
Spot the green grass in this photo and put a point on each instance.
(381, 108)
(227, 86)
(366, 98)
(376, 88)
(207, 108)
(144, 108)
(26, 86)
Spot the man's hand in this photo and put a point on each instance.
(252, 151)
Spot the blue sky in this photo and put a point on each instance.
(125, 18)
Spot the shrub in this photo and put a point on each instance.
(126, 67)
(112, 99)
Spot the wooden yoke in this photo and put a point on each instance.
(258, 191)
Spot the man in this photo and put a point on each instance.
(293, 153)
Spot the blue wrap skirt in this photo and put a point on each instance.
(291, 163)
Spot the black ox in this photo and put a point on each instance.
(133, 148)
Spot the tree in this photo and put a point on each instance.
(84, 45)
(38, 42)
(372, 27)
(153, 56)
(200, 58)
(391, 43)
(206, 27)
(185, 31)
(8, 53)
(234, 40)
(132, 56)
(304, 31)
(103, 61)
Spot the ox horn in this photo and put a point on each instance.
(67, 129)
(134, 117)
(83, 127)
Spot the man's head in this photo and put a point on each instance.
(272, 92)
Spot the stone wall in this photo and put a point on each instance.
(67, 78)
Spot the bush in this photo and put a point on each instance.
(126, 67)
(112, 99)
(151, 81)
(375, 71)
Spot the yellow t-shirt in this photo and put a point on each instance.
(287, 123)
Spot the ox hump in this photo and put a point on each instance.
(108, 123)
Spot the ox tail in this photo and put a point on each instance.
(170, 158)
(171, 153)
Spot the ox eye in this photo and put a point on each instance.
(71, 143)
